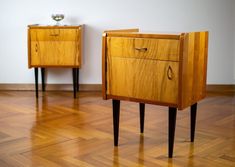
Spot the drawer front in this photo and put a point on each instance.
(143, 79)
(55, 34)
(47, 53)
(146, 48)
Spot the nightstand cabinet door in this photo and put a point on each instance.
(143, 79)
(55, 53)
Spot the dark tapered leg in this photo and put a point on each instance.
(116, 113)
(36, 81)
(77, 76)
(74, 82)
(171, 130)
(142, 111)
(193, 114)
(43, 79)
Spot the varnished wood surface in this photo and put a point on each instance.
(58, 131)
(104, 66)
(51, 87)
(194, 68)
(220, 89)
(165, 68)
(143, 79)
(54, 46)
(140, 100)
(122, 30)
(56, 34)
(143, 48)
(56, 53)
(144, 35)
(81, 44)
(54, 26)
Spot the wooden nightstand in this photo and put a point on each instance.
(55, 46)
(161, 69)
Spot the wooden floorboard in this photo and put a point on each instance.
(59, 131)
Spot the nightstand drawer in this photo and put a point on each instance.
(56, 34)
(146, 48)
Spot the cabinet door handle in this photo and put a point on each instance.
(170, 73)
(36, 48)
(141, 49)
(54, 35)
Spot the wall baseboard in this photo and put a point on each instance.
(211, 88)
(51, 87)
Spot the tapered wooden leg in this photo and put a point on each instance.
(171, 130)
(36, 81)
(77, 76)
(43, 79)
(193, 114)
(74, 82)
(116, 113)
(142, 113)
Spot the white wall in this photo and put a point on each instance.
(99, 15)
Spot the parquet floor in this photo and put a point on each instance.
(59, 131)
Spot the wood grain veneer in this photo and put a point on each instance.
(161, 68)
(55, 46)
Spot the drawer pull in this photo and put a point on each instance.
(170, 73)
(54, 35)
(141, 49)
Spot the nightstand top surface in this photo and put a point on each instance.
(143, 35)
(135, 33)
(38, 26)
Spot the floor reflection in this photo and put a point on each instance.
(141, 150)
(191, 155)
(115, 157)
(39, 107)
(53, 137)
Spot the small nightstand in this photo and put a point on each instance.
(55, 46)
(166, 69)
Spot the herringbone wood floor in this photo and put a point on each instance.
(57, 130)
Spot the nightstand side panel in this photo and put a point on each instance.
(194, 68)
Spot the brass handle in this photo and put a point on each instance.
(170, 73)
(54, 35)
(141, 49)
(36, 48)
